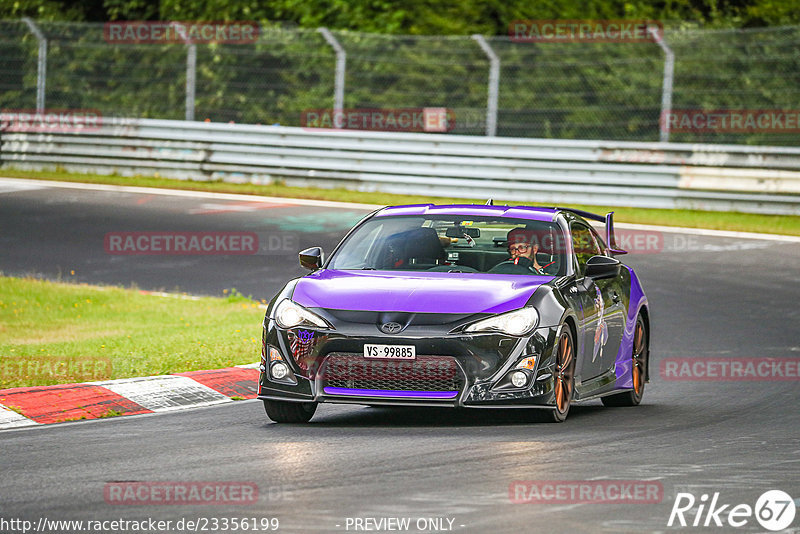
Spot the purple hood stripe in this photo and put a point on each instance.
(416, 292)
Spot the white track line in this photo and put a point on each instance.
(13, 187)
(11, 419)
(186, 193)
(165, 393)
(352, 205)
(708, 232)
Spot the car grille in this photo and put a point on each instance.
(426, 373)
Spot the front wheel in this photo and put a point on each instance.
(641, 351)
(290, 412)
(564, 378)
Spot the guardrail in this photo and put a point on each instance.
(656, 175)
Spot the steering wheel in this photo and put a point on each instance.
(509, 267)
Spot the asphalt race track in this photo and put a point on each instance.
(710, 297)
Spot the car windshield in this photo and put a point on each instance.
(454, 244)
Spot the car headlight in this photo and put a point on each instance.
(289, 314)
(515, 323)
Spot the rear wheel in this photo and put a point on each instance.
(641, 352)
(290, 412)
(564, 378)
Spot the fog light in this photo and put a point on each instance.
(519, 379)
(279, 370)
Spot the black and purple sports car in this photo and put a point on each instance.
(462, 306)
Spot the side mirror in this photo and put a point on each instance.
(599, 267)
(312, 258)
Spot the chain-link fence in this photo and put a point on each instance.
(571, 90)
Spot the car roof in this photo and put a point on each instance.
(472, 210)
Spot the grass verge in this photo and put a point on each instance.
(732, 221)
(56, 333)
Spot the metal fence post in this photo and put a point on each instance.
(191, 79)
(341, 65)
(494, 83)
(41, 69)
(666, 89)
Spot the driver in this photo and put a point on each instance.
(523, 250)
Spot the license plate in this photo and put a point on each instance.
(390, 352)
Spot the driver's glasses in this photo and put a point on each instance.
(522, 247)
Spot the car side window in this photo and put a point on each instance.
(599, 240)
(584, 246)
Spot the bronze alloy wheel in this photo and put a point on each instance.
(639, 362)
(640, 354)
(564, 376)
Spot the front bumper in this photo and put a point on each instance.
(451, 370)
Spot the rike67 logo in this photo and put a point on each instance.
(774, 510)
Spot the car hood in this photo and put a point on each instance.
(416, 292)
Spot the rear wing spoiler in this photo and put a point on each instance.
(608, 220)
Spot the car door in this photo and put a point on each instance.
(604, 320)
(614, 310)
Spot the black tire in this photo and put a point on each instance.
(640, 355)
(564, 379)
(290, 412)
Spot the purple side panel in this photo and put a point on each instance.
(623, 363)
(392, 393)
(416, 292)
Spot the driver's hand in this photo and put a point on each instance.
(533, 258)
